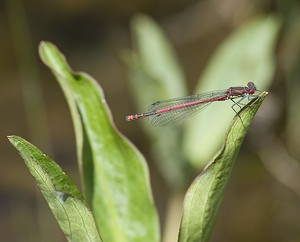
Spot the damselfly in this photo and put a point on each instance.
(167, 111)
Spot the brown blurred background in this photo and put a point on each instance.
(262, 200)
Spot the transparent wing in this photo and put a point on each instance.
(178, 109)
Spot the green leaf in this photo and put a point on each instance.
(155, 74)
(246, 55)
(115, 175)
(157, 59)
(65, 200)
(204, 195)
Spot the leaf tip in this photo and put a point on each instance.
(43, 45)
(15, 140)
(11, 138)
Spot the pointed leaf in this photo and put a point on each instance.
(115, 175)
(204, 195)
(155, 74)
(64, 199)
(157, 59)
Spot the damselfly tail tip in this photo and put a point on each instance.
(133, 117)
(129, 118)
(136, 116)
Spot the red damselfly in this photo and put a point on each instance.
(164, 112)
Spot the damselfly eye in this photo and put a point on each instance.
(251, 85)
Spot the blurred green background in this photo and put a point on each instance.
(262, 200)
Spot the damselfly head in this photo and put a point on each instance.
(251, 88)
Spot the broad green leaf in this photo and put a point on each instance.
(155, 74)
(115, 176)
(65, 200)
(204, 196)
(246, 55)
(157, 59)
